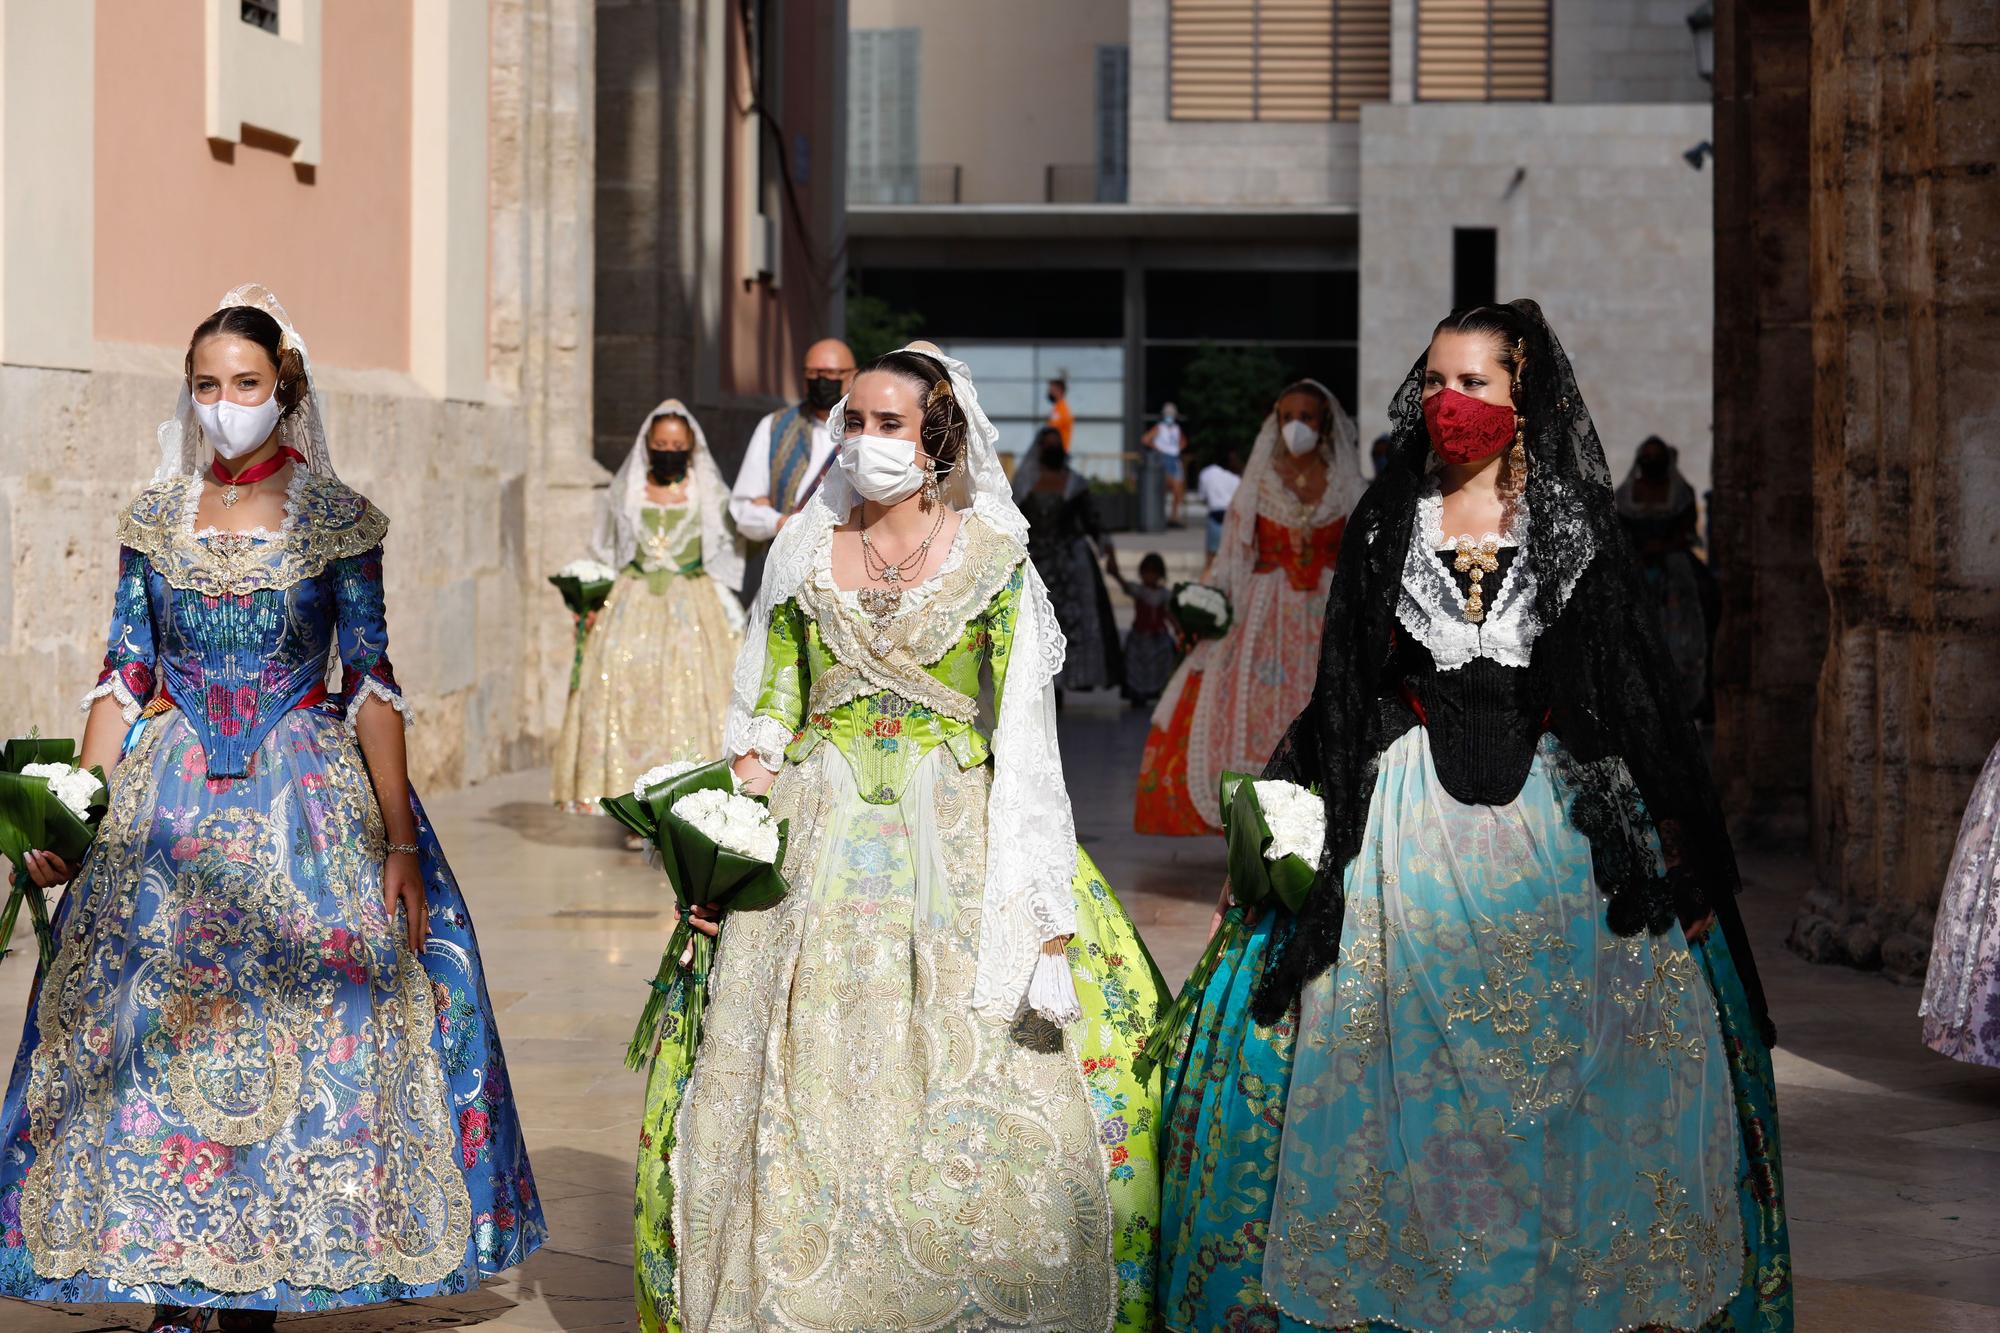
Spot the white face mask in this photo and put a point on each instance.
(233, 430)
(881, 469)
(1299, 436)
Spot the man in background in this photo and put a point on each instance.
(1216, 487)
(791, 448)
(1059, 414)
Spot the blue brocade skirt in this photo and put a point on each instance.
(1483, 1121)
(237, 1086)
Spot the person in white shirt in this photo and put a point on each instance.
(1216, 487)
(1167, 439)
(791, 448)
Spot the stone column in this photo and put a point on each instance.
(1773, 631)
(1906, 426)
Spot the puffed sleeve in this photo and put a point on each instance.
(362, 629)
(129, 656)
(781, 701)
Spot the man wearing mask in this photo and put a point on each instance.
(791, 448)
(1060, 416)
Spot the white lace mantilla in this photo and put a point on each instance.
(1027, 898)
(1432, 609)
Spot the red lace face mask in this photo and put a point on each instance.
(1467, 430)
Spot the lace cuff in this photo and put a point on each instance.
(128, 707)
(370, 688)
(766, 737)
(1052, 990)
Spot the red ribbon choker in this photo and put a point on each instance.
(250, 475)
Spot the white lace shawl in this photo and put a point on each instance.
(617, 535)
(1264, 491)
(1031, 832)
(183, 451)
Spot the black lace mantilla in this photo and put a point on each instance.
(1633, 763)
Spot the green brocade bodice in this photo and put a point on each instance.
(669, 545)
(888, 694)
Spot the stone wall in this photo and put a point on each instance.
(479, 492)
(1773, 631)
(1905, 143)
(1599, 218)
(1624, 51)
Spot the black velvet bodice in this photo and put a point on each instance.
(1483, 727)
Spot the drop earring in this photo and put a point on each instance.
(933, 493)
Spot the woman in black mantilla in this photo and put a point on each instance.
(1510, 1066)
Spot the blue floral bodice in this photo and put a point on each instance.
(238, 629)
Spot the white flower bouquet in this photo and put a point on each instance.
(1202, 611)
(584, 584)
(1276, 833)
(49, 804)
(721, 849)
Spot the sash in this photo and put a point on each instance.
(791, 454)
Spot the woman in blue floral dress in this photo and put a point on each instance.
(262, 1073)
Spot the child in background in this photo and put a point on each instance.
(1152, 649)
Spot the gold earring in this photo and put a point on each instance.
(933, 493)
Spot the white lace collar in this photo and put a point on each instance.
(1431, 608)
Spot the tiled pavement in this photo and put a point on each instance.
(1892, 1154)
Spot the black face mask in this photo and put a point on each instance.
(1654, 469)
(822, 392)
(667, 466)
(1054, 457)
(1053, 395)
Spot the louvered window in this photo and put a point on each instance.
(1276, 59)
(1483, 50)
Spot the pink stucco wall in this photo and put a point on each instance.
(178, 224)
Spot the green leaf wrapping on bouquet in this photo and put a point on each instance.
(702, 875)
(581, 596)
(1254, 882)
(18, 753)
(1166, 1034)
(33, 819)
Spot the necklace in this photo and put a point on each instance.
(881, 603)
(250, 476)
(1477, 559)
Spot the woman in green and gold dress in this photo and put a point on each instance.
(912, 1106)
(654, 684)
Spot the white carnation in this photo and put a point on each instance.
(665, 773)
(588, 571)
(1201, 597)
(76, 788)
(737, 822)
(1297, 819)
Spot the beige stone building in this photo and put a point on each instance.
(424, 184)
(1323, 180)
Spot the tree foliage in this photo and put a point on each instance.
(1226, 392)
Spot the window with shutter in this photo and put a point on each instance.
(1300, 60)
(1483, 50)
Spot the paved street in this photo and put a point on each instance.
(1892, 1154)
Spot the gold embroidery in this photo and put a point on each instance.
(327, 522)
(324, 1207)
(856, 1149)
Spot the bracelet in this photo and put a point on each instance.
(406, 847)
